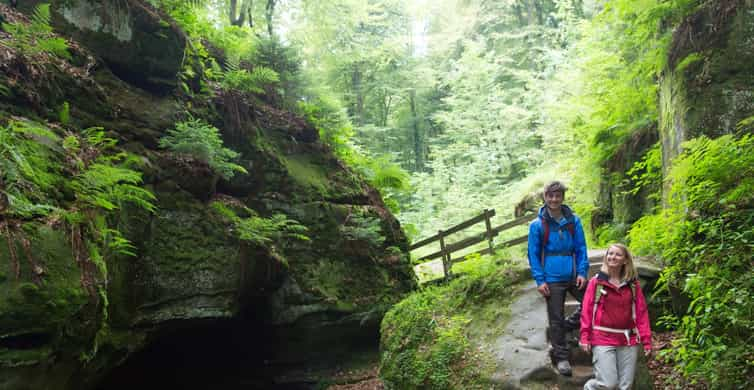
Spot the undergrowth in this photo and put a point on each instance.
(36, 37)
(428, 339)
(705, 239)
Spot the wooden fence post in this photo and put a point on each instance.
(445, 257)
(489, 230)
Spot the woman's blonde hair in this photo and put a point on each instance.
(628, 271)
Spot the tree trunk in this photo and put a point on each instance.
(358, 104)
(269, 12)
(246, 6)
(418, 139)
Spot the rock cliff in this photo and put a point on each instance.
(293, 301)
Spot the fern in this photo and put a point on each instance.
(262, 75)
(28, 172)
(37, 36)
(245, 81)
(109, 187)
(363, 228)
(233, 63)
(201, 141)
(386, 175)
(262, 231)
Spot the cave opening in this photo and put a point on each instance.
(199, 354)
(244, 353)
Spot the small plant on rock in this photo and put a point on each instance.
(243, 80)
(200, 140)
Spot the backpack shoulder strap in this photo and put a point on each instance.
(633, 285)
(545, 230)
(545, 237)
(598, 291)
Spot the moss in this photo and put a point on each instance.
(50, 316)
(189, 253)
(434, 338)
(306, 173)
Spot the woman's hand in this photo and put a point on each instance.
(648, 352)
(585, 347)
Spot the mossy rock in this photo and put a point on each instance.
(435, 338)
(707, 87)
(45, 320)
(138, 43)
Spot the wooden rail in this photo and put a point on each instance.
(446, 250)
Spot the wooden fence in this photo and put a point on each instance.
(447, 249)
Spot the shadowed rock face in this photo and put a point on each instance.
(138, 44)
(712, 90)
(191, 279)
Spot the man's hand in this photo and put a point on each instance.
(580, 282)
(544, 289)
(585, 347)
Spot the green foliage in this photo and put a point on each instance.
(389, 178)
(64, 114)
(609, 233)
(705, 238)
(262, 231)
(285, 60)
(29, 174)
(251, 82)
(427, 340)
(363, 228)
(332, 124)
(647, 172)
(80, 179)
(36, 37)
(386, 175)
(103, 181)
(690, 59)
(200, 140)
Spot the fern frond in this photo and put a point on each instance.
(35, 130)
(233, 63)
(202, 141)
(264, 75)
(56, 46)
(41, 15)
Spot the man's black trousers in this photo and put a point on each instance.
(558, 323)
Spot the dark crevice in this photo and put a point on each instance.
(25, 341)
(207, 354)
(244, 353)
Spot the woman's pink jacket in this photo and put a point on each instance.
(614, 311)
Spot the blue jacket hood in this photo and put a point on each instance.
(567, 213)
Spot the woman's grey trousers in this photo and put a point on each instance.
(614, 367)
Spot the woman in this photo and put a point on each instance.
(614, 321)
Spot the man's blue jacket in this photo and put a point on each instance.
(562, 250)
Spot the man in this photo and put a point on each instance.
(559, 264)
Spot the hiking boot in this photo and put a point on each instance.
(564, 368)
